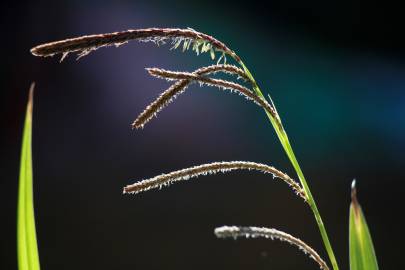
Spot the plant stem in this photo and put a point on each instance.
(282, 136)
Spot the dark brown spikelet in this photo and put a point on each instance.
(255, 232)
(86, 44)
(162, 101)
(179, 87)
(221, 84)
(210, 168)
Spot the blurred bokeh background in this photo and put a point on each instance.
(335, 69)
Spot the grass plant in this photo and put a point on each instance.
(246, 86)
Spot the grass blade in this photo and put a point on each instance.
(362, 254)
(285, 142)
(27, 248)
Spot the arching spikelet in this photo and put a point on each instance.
(255, 232)
(210, 168)
(86, 44)
(179, 87)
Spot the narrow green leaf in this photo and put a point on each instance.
(362, 254)
(285, 142)
(27, 249)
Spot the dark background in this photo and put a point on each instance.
(336, 70)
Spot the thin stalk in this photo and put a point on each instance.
(86, 44)
(285, 142)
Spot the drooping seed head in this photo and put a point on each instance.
(210, 168)
(221, 84)
(256, 232)
(179, 87)
(89, 43)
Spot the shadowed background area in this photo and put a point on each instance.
(335, 70)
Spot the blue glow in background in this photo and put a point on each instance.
(340, 94)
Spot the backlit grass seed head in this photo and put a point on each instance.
(229, 69)
(199, 42)
(186, 39)
(221, 84)
(256, 232)
(179, 87)
(162, 101)
(210, 168)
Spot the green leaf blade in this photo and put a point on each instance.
(362, 253)
(27, 248)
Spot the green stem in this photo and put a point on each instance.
(285, 142)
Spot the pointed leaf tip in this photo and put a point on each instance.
(354, 185)
(362, 254)
(354, 193)
(30, 99)
(27, 249)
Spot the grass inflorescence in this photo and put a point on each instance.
(86, 44)
(199, 43)
(210, 168)
(178, 88)
(256, 232)
(221, 84)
